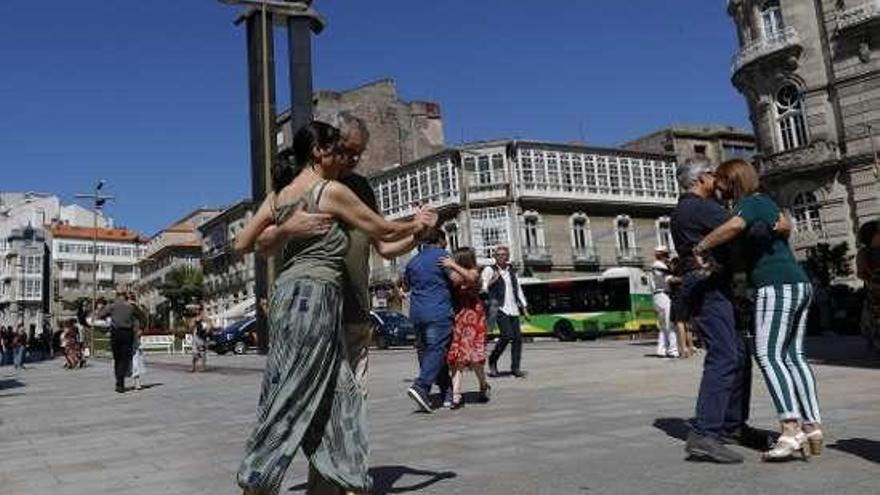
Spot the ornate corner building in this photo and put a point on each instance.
(810, 73)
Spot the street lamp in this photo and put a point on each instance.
(98, 200)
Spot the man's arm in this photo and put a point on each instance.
(488, 277)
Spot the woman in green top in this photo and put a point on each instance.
(783, 300)
(310, 399)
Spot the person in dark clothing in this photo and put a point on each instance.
(719, 403)
(122, 321)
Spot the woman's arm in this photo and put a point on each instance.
(246, 240)
(721, 235)
(469, 276)
(343, 204)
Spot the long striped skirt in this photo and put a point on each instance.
(309, 399)
(780, 326)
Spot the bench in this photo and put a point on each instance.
(187, 343)
(165, 342)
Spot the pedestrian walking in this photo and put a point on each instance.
(69, 345)
(5, 345)
(122, 314)
(506, 303)
(19, 347)
(783, 300)
(199, 332)
(667, 343)
(138, 364)
(468, 348)
(868, 270)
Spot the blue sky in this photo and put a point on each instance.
(151, 95)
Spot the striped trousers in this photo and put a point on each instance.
(780, 325)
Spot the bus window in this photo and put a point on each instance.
(578, 296)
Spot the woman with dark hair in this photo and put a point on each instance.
(783, 300)
(468, 348)
(868, 270)
(310, 399)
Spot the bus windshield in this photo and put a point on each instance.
(578, 296)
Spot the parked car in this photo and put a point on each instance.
(391, 328)
(237, 337)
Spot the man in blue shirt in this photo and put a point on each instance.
(431, 314)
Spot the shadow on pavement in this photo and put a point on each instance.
(386, 477)
(868, 450)
(6, 383)
(674, 427)
(841, 351)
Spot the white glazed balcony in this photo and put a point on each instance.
(768, 45)
(864, 13)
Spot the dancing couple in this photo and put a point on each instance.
(311, 398)
(702, 231)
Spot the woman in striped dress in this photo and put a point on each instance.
(310, 399)
(783, 300)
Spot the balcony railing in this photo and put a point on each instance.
(808, 157)
(585, 256)
(769, 44)
(630, 256)
(867, 12)
(536, 254)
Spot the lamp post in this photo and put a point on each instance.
(301, 20)
(98, 201)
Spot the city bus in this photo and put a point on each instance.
(619, 301)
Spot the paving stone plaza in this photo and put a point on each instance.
(593, 418)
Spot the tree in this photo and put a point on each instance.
(182, 286)
(824, 263)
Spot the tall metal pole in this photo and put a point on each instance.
(299, 45)
(98, 202)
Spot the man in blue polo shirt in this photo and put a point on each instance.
(432, 315)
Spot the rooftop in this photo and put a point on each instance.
(88, 233)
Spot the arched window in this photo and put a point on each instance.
(790, 118)
(805, 210)
(451, 230)
(581, 236)
(771, 18)
(533, 234)
(625, 236)
(664, 233)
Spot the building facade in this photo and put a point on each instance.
(562, 209)
(179, 245)
(74, 253)
(25, 289)
(715, 143)
(810, 73)
(400, 131)
(229, 277)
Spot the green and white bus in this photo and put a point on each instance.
(617, 302)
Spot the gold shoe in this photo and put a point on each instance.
(816, 440)
(786, 446)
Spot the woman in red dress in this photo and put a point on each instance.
(468, 348)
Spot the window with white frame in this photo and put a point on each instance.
(490, 228)
(451, 230)
(771, 18)
(625, 235)
(805, 209)
(33, 265)
(581, 236)
(790, 118)
(483, 174)
(664, 233)
(533, 235)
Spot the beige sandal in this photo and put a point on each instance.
(786, 446)
(816, 439)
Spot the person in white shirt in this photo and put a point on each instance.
(506, 303)
(667, 344)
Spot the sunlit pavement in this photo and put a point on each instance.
(592, 417)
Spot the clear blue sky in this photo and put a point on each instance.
(151, 94)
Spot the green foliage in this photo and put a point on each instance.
(824, 263)
(183, 285)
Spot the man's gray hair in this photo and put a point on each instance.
(690, 172)
(346, 122)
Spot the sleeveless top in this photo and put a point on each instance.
(320, 258)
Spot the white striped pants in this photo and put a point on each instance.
(780, 325)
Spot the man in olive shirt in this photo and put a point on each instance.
(122, 321)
